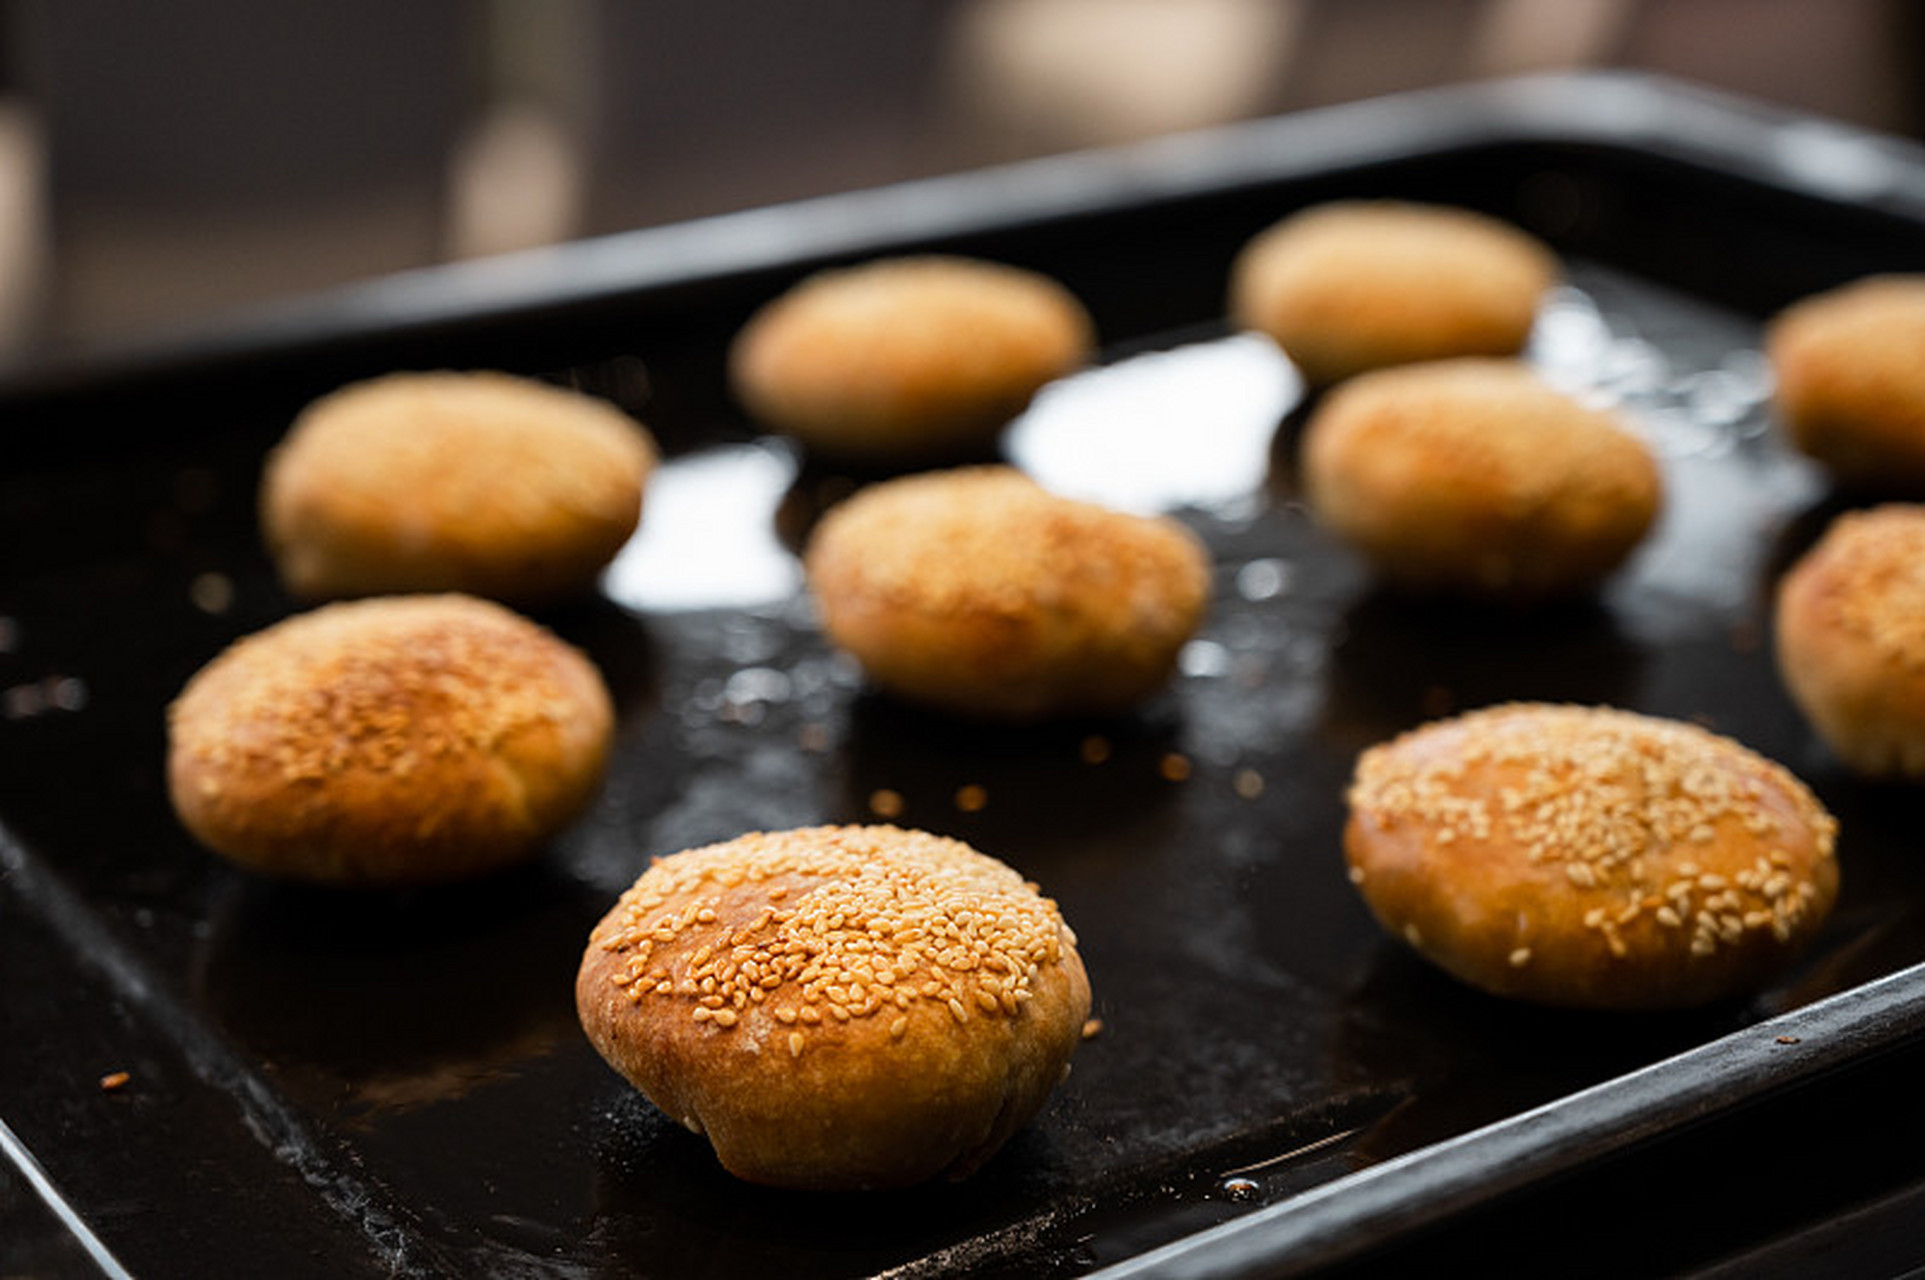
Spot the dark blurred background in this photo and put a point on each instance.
(163, 163)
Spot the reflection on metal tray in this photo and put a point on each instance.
(333, 1084)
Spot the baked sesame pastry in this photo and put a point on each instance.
(980, 592)
(837, 1008)
(908, 359)
(1356, 285)
(1477, 477)
(1590, 857)
(476, 482)
(1850, 386)
(1851, 639)
(392, 741)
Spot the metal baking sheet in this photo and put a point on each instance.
(336, 1084)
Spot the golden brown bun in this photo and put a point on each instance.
(978, 591)
(1851, 639)
(837, 1007)
(907, 358)
(476, 482)
(1851, 383)
(398, 740)
(1358, 285)
(1475, 476)
(1589, 857)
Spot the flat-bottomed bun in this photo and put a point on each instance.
(1588, 857)
(475, 482)
(980, 592)
(398, 740)
(1851, 639)
(907, 359)
(837, 1007)
(1475, 476)
(1358, 285)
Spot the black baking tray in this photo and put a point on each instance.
(339, 1084)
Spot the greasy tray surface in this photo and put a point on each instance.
(343, 1085)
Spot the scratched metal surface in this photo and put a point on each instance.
(336, 1084)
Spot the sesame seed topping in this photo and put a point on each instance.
(970, 798)
(885, 803)
(382, 686)
(1175, 766)
(1611, 800)
(1095, 749)
(872, 919)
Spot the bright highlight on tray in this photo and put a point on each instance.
(1590, 857)
(837, 1008)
